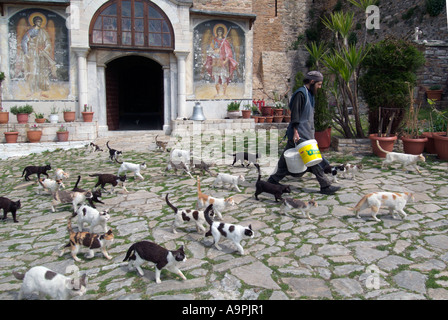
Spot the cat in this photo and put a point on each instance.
(96, 194)
(93, 217)
(105, 178)
(225, 178)
(36, 170)
(234, 232)
(219, 204)
(405, 159)
(49, 283)
(178, 155)
(178, 166)
(196, 216)
(9, 206)
(303, 206)
(161, 145)
(74, 197)
(275, 189)
(94, 147)
(376, 200)
(49, 185)
(147, 251)
(113, 153)
(203, 166)
(333, 171)
(59, 174)
(245, 156)
(135, 168)
(352, 170)
(87, 239)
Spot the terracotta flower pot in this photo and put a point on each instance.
(34, 135)
(413, 145)
(261, 119)
(246, 114)
(278, 112)
(22, 118)
(278, 119)
(269, 119)
(266, 110)
(62, 135)
(11, 137)
(323, 138)
(441, 144)
(387, 143)
(287, 119)
(4, 117)
(429, 145)
(434, 94)
(40, 120)
(87, 116)
(69, 116)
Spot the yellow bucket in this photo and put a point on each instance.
(309, 152)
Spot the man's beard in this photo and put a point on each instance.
(313, 88)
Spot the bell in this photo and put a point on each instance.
(197, 113)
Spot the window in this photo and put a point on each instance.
(136, 24)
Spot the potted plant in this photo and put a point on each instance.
(11, 136)
(413, 139)
(54, 114)
(233, 109)
(87, 114)
(246, 112)
(4, 115)
(441, 140)
(22, 112)
(437, 126)
(69, 115)
(255, 112)
(278, 111)
(62, 133)
(323, 117)
(39, 117)
(34, 133)
(434, 92)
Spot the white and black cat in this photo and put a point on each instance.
(36, 170)
(93, 217)
(9, 206)
(275, 189)
(108, 178)
(147, 251)
(234, 232)
(46, 282)
(113, 153)
(182, 215)
(95, 147)
(133, 167)
(96, 194)
(333, 171)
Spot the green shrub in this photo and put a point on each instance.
(435, 7)
(22, 109)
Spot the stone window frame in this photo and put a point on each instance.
(116, 24)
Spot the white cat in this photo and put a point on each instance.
(49, 185)
(405, 159)
(219, 204)
(133, 167)
(93, 217)
(225, 178)
(59, 174)
(234, 232)
(45, 282)
(178, 155)
(351, 170)
(196, 216)
(376, 200)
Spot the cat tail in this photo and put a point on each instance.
(76, 184)
(18, 275)
(169, 203)
(207, 216)
(259, 172)
(199, 187)
(381, 149)
(23, 172)
(117, 161)
(129, 253)
(107, 144)
(360, 204)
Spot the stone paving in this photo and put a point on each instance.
(335, 256)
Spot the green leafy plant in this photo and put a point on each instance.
(435, 87)
(62, 128)
(39, 115)
(22, 109)
(234, 106)
(54, 110)
(87, 108)
(435, 7)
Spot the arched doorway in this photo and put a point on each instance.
(134, 94)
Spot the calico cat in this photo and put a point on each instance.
(275, 189)
(303, 206)
(45, 282)
(113, 153)
(161, 145)
(135, 168)
(229, 179)
(406, 160)
(219, 204)
(351, 170)
(245, 156)
(49, 185)
(87, 239)
(376, 200)
(93, 217)
(236, 233)
(178, 166)
(105, 178)
(333, 171)
(96, 194)
(36, 170)
(146, 251)
(182, 215)
(9, 206)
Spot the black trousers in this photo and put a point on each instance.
(282, 170)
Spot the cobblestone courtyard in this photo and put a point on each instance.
(335, 256)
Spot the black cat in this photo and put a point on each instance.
(105, 178)
(96, 194)
(113, 153)
(275, 189)
(9, 206)
(37, 170)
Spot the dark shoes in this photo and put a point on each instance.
(329, 190)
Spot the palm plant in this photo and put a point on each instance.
(340, 23)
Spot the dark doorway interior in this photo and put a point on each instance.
(134, 93)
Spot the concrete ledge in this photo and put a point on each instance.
(10, 150)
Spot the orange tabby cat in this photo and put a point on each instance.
(219, 204)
